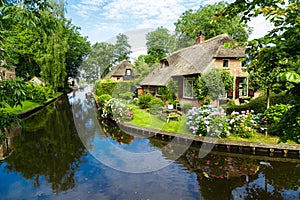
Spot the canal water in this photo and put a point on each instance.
(65, 152)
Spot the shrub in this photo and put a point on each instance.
(207, 121)
(144, 100)
(186, 107)
(259, 104)
(155, 104)
(289, 127)
(116, 110)
(37, 93)
(102, 100)
(242, 124)
(105, 87)
(275, 113)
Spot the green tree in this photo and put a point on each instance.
(159, 43)
(78, 49)
(213, 84)
(141, 68)
(206, 19)
(122, 49)
(98, 61)
(276, 53)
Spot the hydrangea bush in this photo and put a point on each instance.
(207, 121)
(213, 122)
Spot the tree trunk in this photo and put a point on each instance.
(268, 98)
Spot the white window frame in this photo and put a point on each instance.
(225, 67)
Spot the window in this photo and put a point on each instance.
(188, 88)
(225, 63)
(128, 72)
(244, 64)
(166, 64)
(242, 87)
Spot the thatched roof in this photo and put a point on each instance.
(195, 59)
(120, 69)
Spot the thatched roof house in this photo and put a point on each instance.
(189, 62)
(122, 72)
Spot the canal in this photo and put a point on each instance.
(65, 152)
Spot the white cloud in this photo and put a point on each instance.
(101, 20)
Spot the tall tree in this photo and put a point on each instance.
(122, 49)
(278, 51)
(98, 61)
(207, 20)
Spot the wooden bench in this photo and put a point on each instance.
(168, 114)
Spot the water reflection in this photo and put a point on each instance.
(47, 151)
(50, 162)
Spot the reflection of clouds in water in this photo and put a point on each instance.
(88, 128)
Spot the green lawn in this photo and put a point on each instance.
(145, 119)
(26, 105)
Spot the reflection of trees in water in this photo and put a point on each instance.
(52, 150)
(258, 193)
(220, 175)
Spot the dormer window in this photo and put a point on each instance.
(166, 64)
(225, 63)
(128, 72)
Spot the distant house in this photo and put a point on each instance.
(122, 72)
(37, 81)
(4, 72)
(186, 64)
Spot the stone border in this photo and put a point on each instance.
(253, 147)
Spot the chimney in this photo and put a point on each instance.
(200, 38)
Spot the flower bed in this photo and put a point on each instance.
(213, 122)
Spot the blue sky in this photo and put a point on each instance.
(102, 20)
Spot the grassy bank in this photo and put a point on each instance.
(145, 119)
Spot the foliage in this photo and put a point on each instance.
(142, 68)
(213, 122)
(116, 110)
(38, 93)
(39, 41)
(259, 104)
(105, 87)
(12, 92)
(7, 119)
(277, 52)
(155, 104)
(159, 44)
(207, 19)
(166, 93)
(274, 113)
(122, 48)
(288, 128)
(145, 99)
(213, 83)
(98, 61)
(123, 90)
(102, 100)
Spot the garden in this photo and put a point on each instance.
(229, 122)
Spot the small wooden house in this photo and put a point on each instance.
(122, 72)
(187, 63)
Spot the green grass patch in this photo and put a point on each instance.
(145, 119)
(26, 106)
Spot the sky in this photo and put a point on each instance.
(102, 20)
